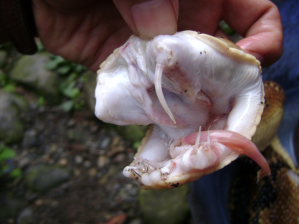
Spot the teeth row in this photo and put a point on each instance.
(192, 159)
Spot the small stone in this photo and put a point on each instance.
(76, 135)
(71, 123)
(87, 164)
(42, 178)
(93, 151)
(105, 142)
(120, 158)
(127, 193)
(26, 217)
(54, 203)
(77, 172)
(53, 149)
(92, 172)
(102, 152)
(30, 71)
(11, 109)
(30, 139)
(23, 162)
(78, 159)
(116, 141)
(39, 202)
(63, 162)
(102, 161)
(94, 129)
(46, 158)
(115, 150)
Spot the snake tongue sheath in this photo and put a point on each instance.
(235, 142)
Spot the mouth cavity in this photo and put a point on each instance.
(165, 158)
(203, 98)
(232, 140)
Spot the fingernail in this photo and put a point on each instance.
(154, 17)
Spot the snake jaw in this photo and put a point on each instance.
(180, 83)
(194, 156)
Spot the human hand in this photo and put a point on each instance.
(88, 31)
(257, 20)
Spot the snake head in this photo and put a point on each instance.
(202, 96)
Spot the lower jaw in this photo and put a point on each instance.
(178, 168)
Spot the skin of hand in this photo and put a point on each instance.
(88, 31)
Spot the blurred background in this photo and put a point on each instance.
(58, 163)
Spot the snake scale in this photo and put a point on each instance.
(273, 199)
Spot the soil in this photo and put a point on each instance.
(95, 155)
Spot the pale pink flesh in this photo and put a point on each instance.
(233, 141)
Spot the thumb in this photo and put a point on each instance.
(149, 18)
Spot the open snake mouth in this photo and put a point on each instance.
(203, 96)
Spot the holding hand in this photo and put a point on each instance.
(88, 31)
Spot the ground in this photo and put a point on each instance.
(93, 154)
(69, 163)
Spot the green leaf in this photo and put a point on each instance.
(58, 59)
(41, 101)
(3, 78)
(4, 169)
(54, 63)
(40, 46)
(67, 106)
(72, 77)
(80, 68)
(64, 70)
(71, 92)
(10, 87)
(7, 153)
(226, 28)
(136, 144)
(51, 65)
(16, 173)
(79, 104)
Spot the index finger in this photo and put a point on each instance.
(260, 23)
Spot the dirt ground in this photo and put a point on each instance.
(94, 155)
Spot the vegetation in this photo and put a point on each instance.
(72, 81)
(7, 167)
